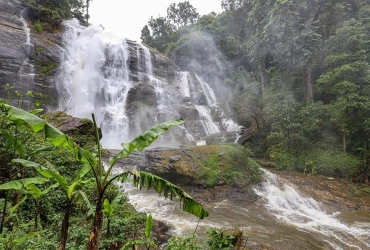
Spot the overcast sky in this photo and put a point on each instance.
(127, 17)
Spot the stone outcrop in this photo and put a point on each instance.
(182, 166)
(81, 130)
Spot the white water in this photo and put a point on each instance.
(205, 115)
(288, 206)
(184, 84)
(285, 220)
(95, 77)
(26, 72)
(144, 63)
(208, 91)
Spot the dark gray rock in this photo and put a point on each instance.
(175, 158)
(27, 67)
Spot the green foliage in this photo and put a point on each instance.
(50, 13)
(189, 242)
(232, 165)
(218, 239)
(93, 162)
(38, 26)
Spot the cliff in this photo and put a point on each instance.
(28, 60)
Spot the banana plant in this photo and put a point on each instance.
(27, 186)
(104, 179)
(109, 208)
(72, 192)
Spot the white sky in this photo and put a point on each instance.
(127, 17)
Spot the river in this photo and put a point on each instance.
(282, 218)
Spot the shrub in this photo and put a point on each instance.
(38, 26)
(189, 242)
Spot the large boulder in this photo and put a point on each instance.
(81, 130)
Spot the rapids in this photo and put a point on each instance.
(282, 218)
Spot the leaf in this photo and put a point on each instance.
(34, 191)
(28, 236)
(14, 208)
(13, 144)
(145, 139)
(45, 172)
(75, 186)
(83, 171)
(45, 149)
(23, 118)
(160, 184)
(148, 226)
(22, 183)
(36, 111)
(83, 201)
(108, 208)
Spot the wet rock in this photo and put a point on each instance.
(75, 127)
(175, 158)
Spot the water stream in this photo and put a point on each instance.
(283, 218)
(26, 72)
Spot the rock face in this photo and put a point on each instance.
(28, 60)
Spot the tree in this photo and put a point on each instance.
(182, 14)
(346, 84)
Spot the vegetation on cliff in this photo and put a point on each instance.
(51, 13)
(298, 74)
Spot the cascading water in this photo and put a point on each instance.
(284, 220)
(94, 78)
(206, 119)
(114, 78)
(288, 206)
(26, 72)
(208, 91)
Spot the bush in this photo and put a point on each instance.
(38, 26)
(219, 240)
(183, 243)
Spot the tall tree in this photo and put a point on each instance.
(346, 84)
(182, 14)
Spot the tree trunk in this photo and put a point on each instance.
(4, 212)
(308, 94)
(65, 226)
(108, 228)
(344, 143)
(37, 215)
(96, 230)
(16, 199)
(264, 76)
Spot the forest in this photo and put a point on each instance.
(298, 73)
(295, 74)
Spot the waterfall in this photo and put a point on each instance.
(144, 62)
(184, 84)
(114, 79)
(94, 78)
(26, 72)
(288, 206)
(208, 91)
(206, 119)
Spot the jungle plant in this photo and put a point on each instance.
(189, 242)
(27, 186)
(93, 162)
(219, 239)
